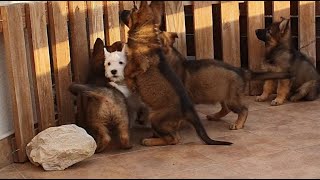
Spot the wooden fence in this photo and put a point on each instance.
(48, 44)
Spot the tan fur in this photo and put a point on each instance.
(148, 75)
(281, 57)
(106, 111)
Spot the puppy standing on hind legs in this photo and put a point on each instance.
(148, 74)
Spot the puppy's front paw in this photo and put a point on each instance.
(235, 127)
(261, 98)
(276, 102)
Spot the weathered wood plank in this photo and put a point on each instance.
(203, 29)
(61, 59)
(175, 22)
(125, 5)
(280, 8)
(95, 17)
(230, 32)
(79, 40)
(40, 61)
(17, 69)
(112, 23)
(255, 21)
(307, 29)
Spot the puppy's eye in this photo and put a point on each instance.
(109, 63)
(269, 31)
(120, 62)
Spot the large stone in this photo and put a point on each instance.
(57, 148)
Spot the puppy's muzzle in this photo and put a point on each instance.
(261, 34)
(124, 16)
(114, 72)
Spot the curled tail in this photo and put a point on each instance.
(250, 75)
(195, 121)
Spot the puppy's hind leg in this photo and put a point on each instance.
(123, 128)
(242, 111)
(100, 134)
(223, 112)
(306, 89)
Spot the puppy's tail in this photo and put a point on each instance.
(195, 121)
(250, 75)
(84, 89)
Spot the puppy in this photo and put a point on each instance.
(280, 56)
(148, 74)
(114, 71)
(106, 110)
(208, 81)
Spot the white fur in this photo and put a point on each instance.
(116, 61)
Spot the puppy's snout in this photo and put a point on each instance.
(113, 71)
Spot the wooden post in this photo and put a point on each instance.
(111, 23)
(125, 5)
(16, 62)
(40, 61)
(307, 29)
(255, 46)
(95, 17)
(280, 9)
(230, 33)
(175, 22)
(203, 29)
(61, 59)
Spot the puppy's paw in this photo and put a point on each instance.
(294, 99)
(235, 127)
(276, 102)
(261, 98)
(126, 146)
(146, 142)
(113, 84)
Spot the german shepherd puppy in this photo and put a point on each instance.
(280, 56)
(106, 110)
(208, 81)
(148, 74)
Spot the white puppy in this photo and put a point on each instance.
(114, 66)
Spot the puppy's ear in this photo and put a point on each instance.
(143, 4)
(98, 47)
(116, 46)
(284, 25)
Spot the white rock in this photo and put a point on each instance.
(57, 148)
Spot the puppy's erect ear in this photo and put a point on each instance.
(284, 25)
(98, 47)
(157, 6)
(116, 46)
(143, 4)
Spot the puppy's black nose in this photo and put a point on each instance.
(114, 72)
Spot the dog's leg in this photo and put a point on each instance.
(223, 112)
(268, 88)
(101, 136)
(282, 92)
(242, 112)
(304, 90)
(123, 128)
(313, 94)
(170, 139)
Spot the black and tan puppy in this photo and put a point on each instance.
(280, 56)
(106, 110)
(209, 81)
(148, 74)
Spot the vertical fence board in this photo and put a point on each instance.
(61, 59)
(79, 41)
(255, 12)
(175, 22)
(280, 9)
(95, 17)
(112, 24)
(16, 60)
(40, 61)
(230, 32)
(125, 5)
(203, 29)
(79, 49)
(307, 29)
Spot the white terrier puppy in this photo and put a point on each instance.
(114, 66)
